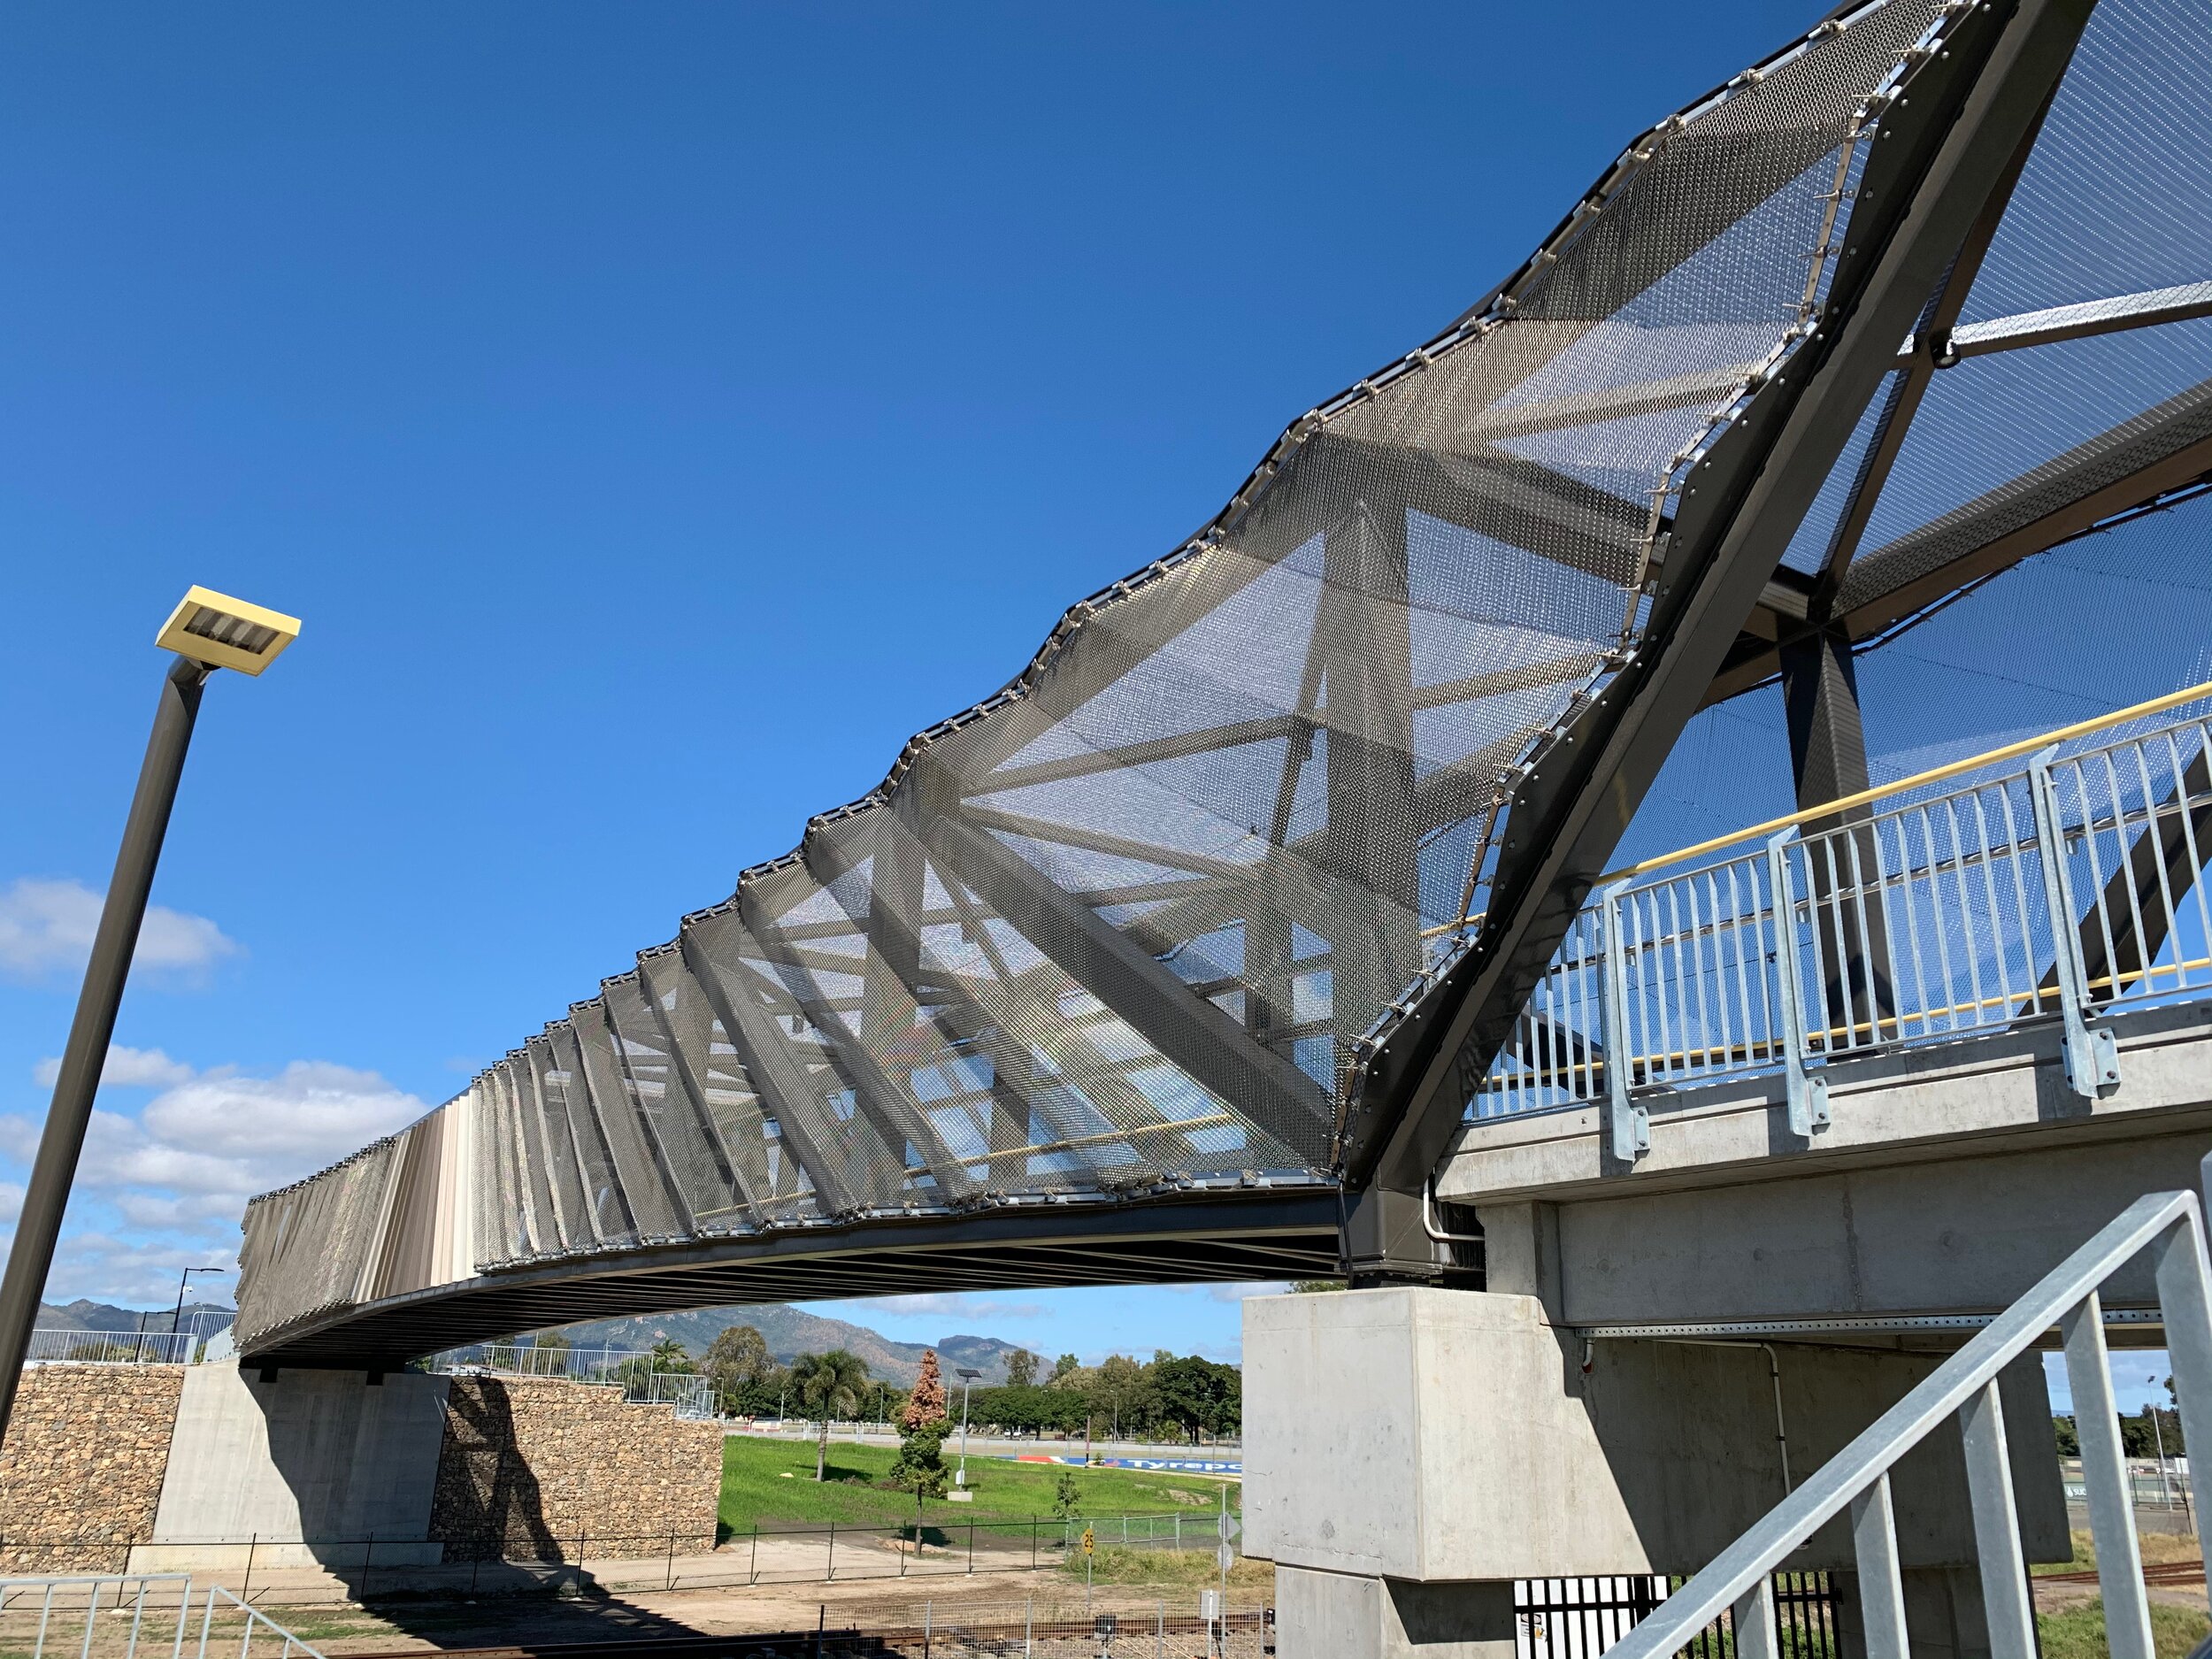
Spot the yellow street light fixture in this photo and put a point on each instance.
(220, 632)
(207, 631)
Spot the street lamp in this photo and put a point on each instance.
(176, 1320)
(207, 631)
(967, 1381)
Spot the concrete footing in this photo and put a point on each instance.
(307, 1454)
(1410, 1453)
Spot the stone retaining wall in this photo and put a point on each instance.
(550, 1468)
(81, 1473)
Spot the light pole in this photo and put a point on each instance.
(207, 631)
(176, 1320)
(967, 1381)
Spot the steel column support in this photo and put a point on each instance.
(1820, 695)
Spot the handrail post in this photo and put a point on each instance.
(1807, 1095)
(2004, 1566)
(2184, 1304)
(1627, 1125)
(2127, 1614)
(2092, 1057)
(1881, 1579)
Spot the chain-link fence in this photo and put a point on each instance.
(330, 1571)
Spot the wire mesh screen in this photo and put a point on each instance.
(1130, 927)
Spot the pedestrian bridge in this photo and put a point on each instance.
(1847, 432)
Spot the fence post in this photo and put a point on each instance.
(245, 1591)
(368, 1564)
(1807, 1095)
(671, 1562)
(971, 1549)
(2092, 1057)
(829, 1575)
(752, 1575)
(1627, 1125)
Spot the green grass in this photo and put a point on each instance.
(2078, 1632)
(756, 1492)
(1166, 1568)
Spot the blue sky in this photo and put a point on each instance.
(656, 412)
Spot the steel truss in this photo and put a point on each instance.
(1241, 883)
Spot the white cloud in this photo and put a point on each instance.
(201, 1149)
(46, 928)
(126, 1068)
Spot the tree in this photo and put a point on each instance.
(1021, 1369)
(925, 1404)
(1196, 1394)
(920, 1465)
(1120, 1392)
(829, 1385)
(2069, 1441)
(555, 1349)
(1067, 1497)
(1315, 1286)
(669, 1357)
(737, 1358)
(1061, 1366)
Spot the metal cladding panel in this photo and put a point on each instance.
(1142, 920)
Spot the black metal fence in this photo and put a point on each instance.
(1579, 1618)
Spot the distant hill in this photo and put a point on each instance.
(790, 1331)
(85, 1315)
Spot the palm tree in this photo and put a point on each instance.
(829, 1385)
(669, 1355)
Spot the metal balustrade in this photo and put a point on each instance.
(2166, 1226)
(1861, 926)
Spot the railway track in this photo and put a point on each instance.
(2158, 1572)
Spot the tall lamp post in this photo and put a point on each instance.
(176, 1320)
(207, 631)
(967, 1382)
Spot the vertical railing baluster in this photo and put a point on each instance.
(2004, 1567)
(2127, 1617)
(2172, 919)
(1881, 1580)
(2098, 906)
(2198, 874)
(2185, 1303)
(2092, 1060)
(1807, 1097)
(1754, 1618)
(2121, 861)
(1627, 1132)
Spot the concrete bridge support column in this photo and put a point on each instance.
(1410, 1452)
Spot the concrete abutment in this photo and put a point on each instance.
(1412, 1452)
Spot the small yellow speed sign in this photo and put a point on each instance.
(1090, 1541)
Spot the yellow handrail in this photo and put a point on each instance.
(1934, 774)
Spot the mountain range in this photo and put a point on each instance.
(788, 1331)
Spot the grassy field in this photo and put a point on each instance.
(2078, 1632)
(770, 1483)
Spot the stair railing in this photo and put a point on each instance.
(2169, 1227)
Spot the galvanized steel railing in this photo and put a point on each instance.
(2169, 1227)
(1933, 917)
